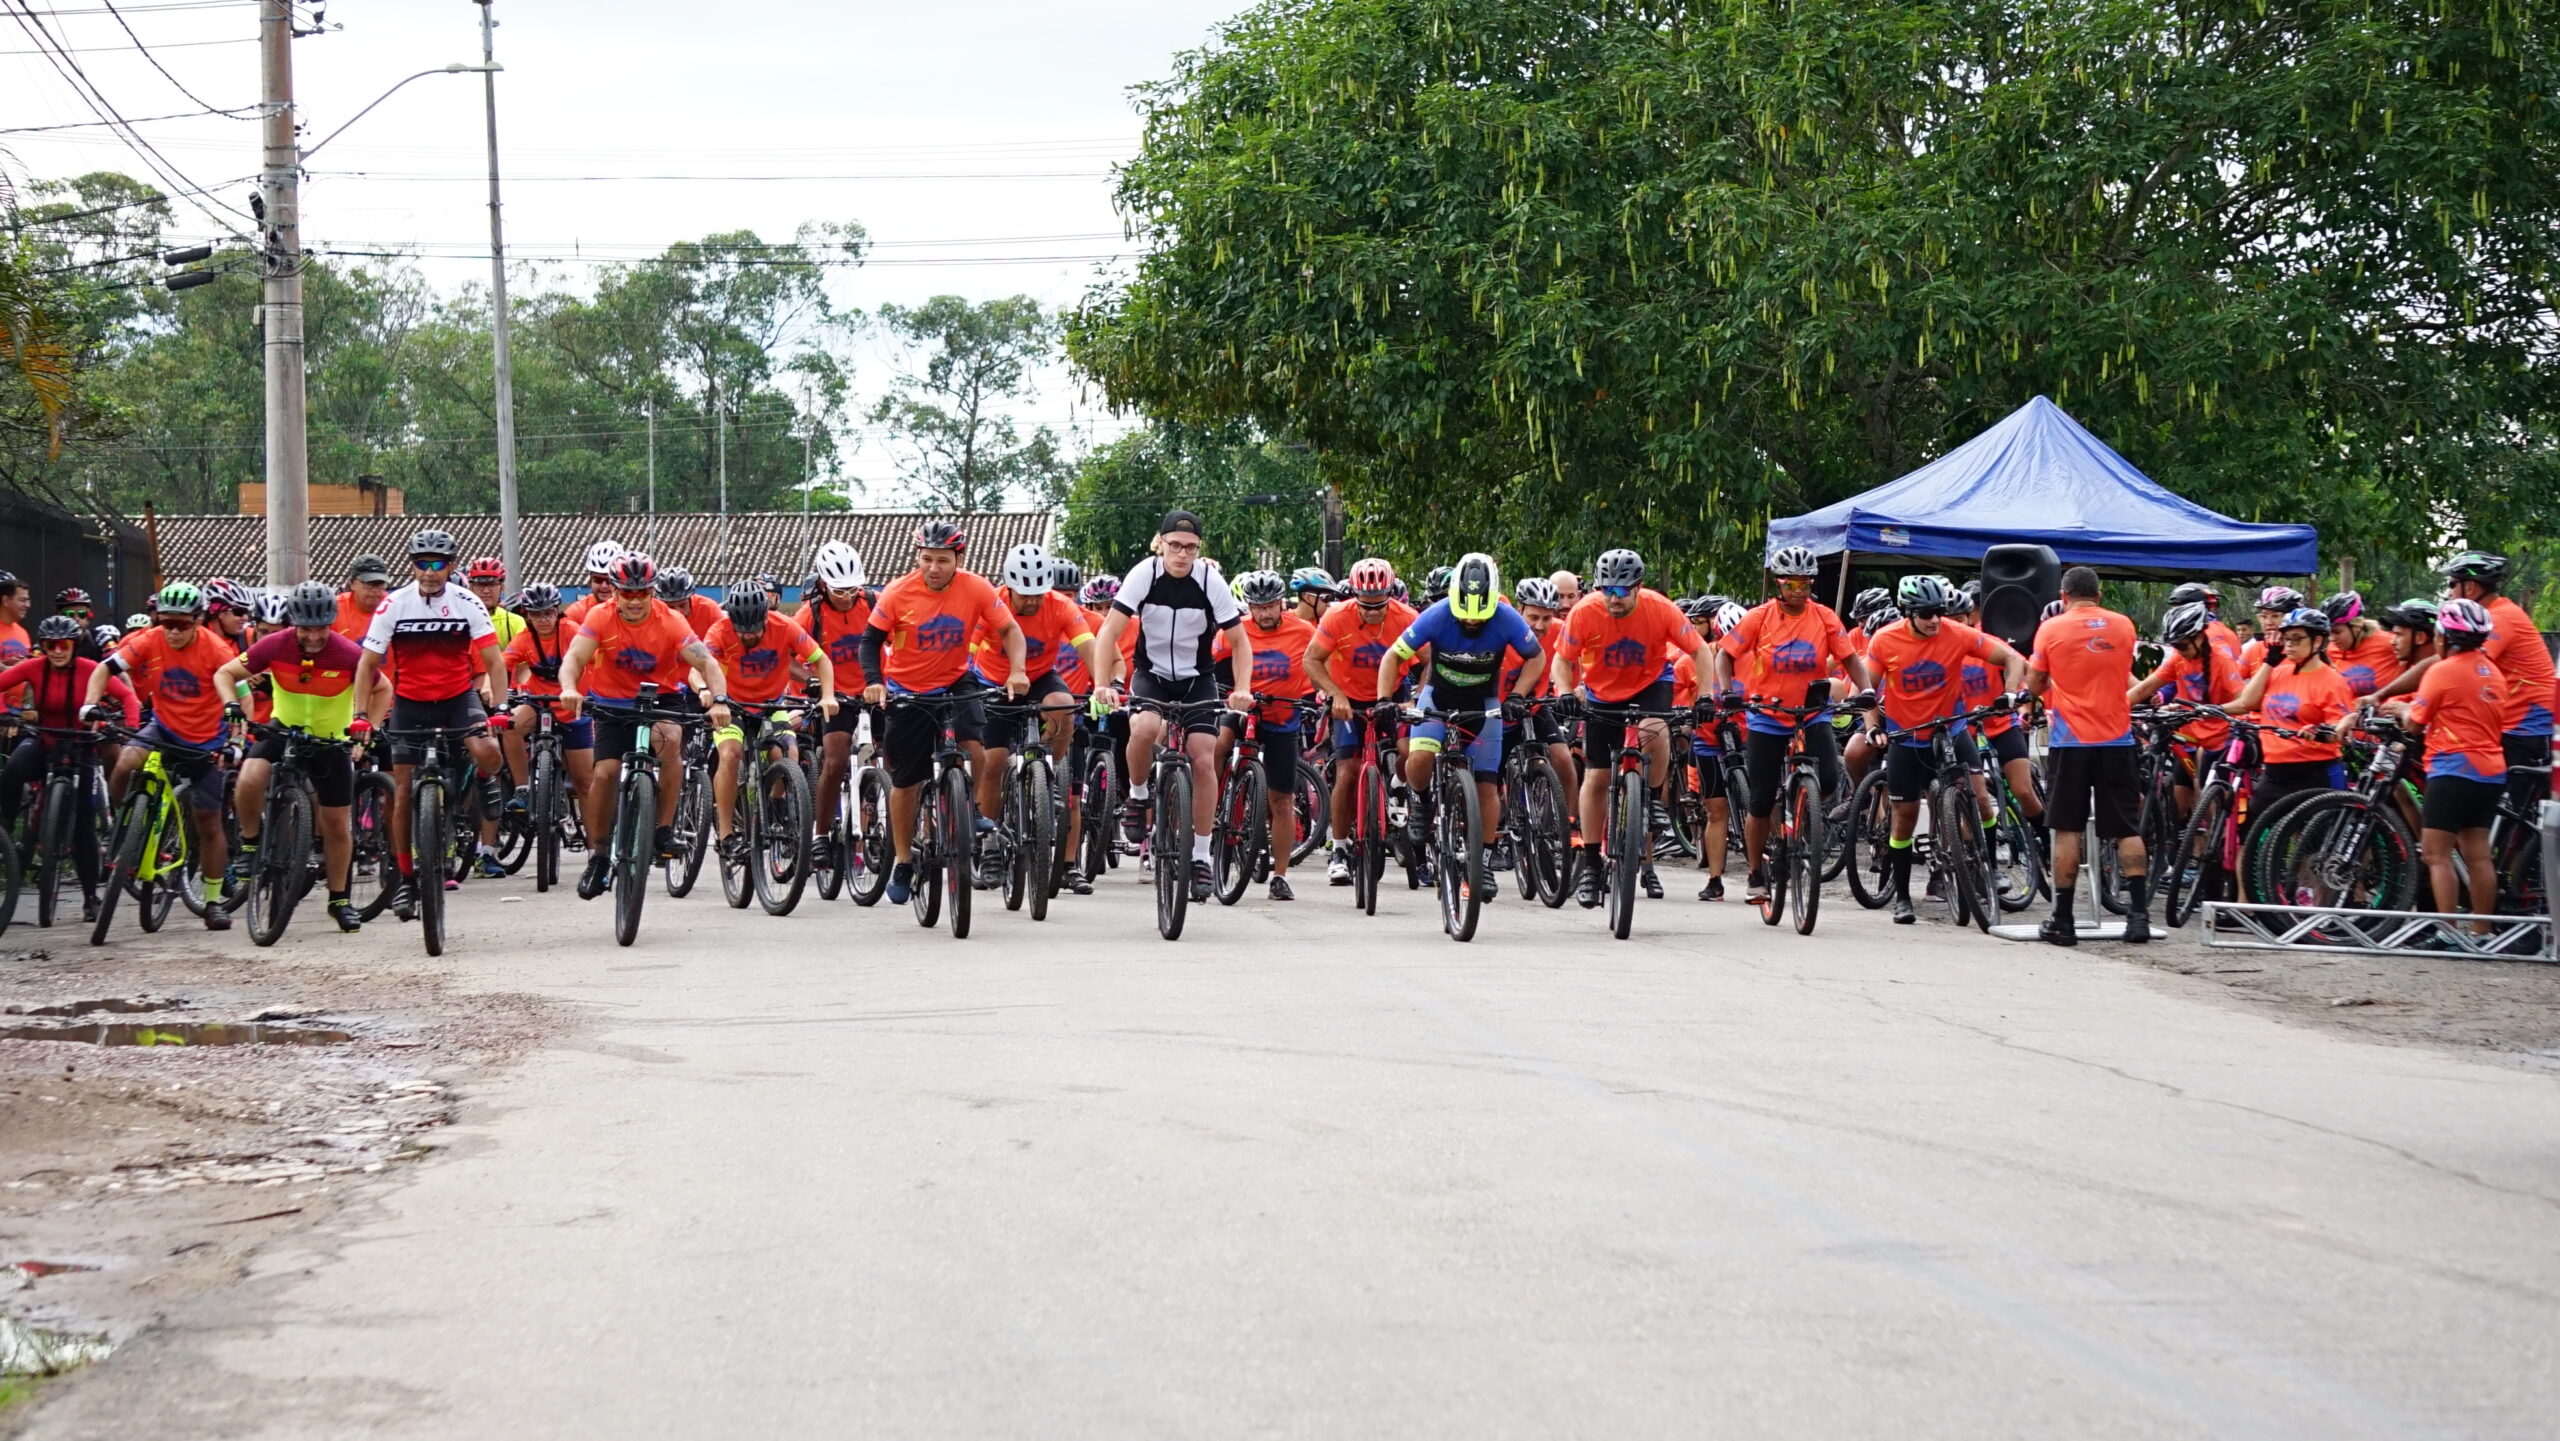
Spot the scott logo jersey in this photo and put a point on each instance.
(432, 642)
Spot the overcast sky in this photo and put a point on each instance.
(973, 138)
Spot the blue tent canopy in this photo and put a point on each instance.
(2038, 476)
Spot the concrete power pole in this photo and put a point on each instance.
(288, 433)
(509, 550)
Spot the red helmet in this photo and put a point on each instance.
(1372, 577)
(487, 567)
(941, 535)
(634, 571)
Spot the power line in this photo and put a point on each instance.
(119, 50)
(94, 124)
(81, 85)
(210, 107)
(22, 222)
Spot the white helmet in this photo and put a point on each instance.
(602, 555)
(839, 566)
(1029, 571)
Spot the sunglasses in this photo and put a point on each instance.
(643, 593)
(60, 644)
(430, 562)
(1616, 592)
(1797, 583)
(170, 621)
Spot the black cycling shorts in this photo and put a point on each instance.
(1603, 739)
(1908, 770)
(1200, 690)
(2457, 804)
(332, 772)
(1764, 762)
(617, 729)
(2010, 745)
(2521, 751)
(2093, 783)
(461, 712)
(913, 734)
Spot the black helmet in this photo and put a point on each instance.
(2345, 606)
(2305, 618)
(2418, 612)
(1874, 598)
(2184, 622)
(746, 608)
(1924, 595)
(1261, 587)
(674, 584)
(2479, 565)
(72, 595)
(57, 627)
(538, 596)
(311, 603)
(2196, 592)
(1435, 583)
(942, 535)
(435, 542)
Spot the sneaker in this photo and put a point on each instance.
(344, 913)
(591, 882)
(1652, 883)
(2137, 925)
(1201, 881)
(1423, 875)
(986, 825)
(1077, 883)
(1133, 821)
(1490, 890)
(733, 847)
(822, 853)
(1713, 890)
(216, 918)
(89, 908)
(2057, 931)
(236, 874)
(1337, 868)
(1756, 889)
(1280, 889)
(902, 883)
(1658, 816)
(491, 868)
(1586, 881)
(519, 801)
(404, 899)
(1903, 912)
(1497, 857)
(666, 843)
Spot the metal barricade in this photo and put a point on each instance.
(2233, 926)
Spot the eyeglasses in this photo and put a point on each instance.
(1615, 592)
(430, 562)
(491, 581)
(1182, 547)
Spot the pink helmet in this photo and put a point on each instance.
(2463, 624)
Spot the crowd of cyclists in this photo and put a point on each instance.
(385, 740)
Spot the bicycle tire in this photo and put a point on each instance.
(737, 873)
(126, 849)
(53, 835)
(427, 823)
(693, 825)
(779, 848)
(156, 897)
(284, 858)
(959, 840)
(1237, 843)
(1040, 836)
(369, 862)
(1870, 841)
(1807, 855)
(841, 832)
(1461, 868)
(924, 896)
(1314, 800)
(1629, 849)
(865, 815)
(9, 877)
(1369, 838)
(544, 800)
(2268, 825)
(1012, 824)
(2518, 860)
(2341, 849)
(1093, 818)
(1977, 880)
(1172, 849)
(1546, 831)
(2194, 861)
(635, 850)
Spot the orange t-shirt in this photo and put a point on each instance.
(2186, 679)
(528, 650)
(2299, 700)
(1616, 657)
(1049, 636)
(2462, 702)
(1923, 675)
(178, 683)
(2253, 657)
(2516, 649)
(702, 613)
(1070, 670)
(839, 634)
(1279, 664)
(580, 608)
(1779, 656)
(1360, 645)
(2365, 668)
(759, 673)
(2087, 652)
(628, 656)
(926, 632)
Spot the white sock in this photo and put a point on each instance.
(1199, 847)
(1139, 792)
(487, 849)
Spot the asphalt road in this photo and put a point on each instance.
(1308, 1174)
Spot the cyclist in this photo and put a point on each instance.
(2413, 631)
(53, 683)
(1343, 661)
(756, 650)
(445, 665)
(836, 613)
(2302, 690)
(1568, 589)
(1054, 632)
(1179, 606)
(368, 582)
(311, 672)
(917, 643)
(1435, 585)
(1470, 635)
(76, 603)
(172, 665)
(533, 666)
(1280, 681)
(15, 601)
(226, 610)
(2363, 654)
(636, 641)
(487, 577)
(1311, 593)
(675, 587)
(2462, 701)
(2083, 668)
(600, 587)
(1536, 599)
(2006, 732)
(1617, 650)
(2196, 592)
(2199, 670)
(1715, 616)
(2516, 649)
(2274, 604)
(1874, 598)
(1781, 648)
(1919, 662)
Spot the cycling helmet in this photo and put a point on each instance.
(942, 535)
(1874, 598)
(2195, 592)
(2281, 600)
(633, 570)
(1261, 587)
(2184, 622)
(1617, 567)
(1065, 576)
(770, 584)
(2479, 565)
(538, 597)
(2416, 613)
(139, 620)
(486, 567)
(106, 636)
(311, 603)
(1539, 591)
(1029, 571)
(1967, 601)
(1310, 578)
(56, 627)
(1878, 621)
(434, 542)
(1791, 561)
(178, 598)
(2345, 606)
(72, 595)
(1372, 579)
(674, 584)
(2303, 617)
(222, 593)
(1101, 591)
(602, 555)
(2462, 624)
(839, 566)
(746, 608)
(1924, 595)
(1397, 590)
(1727, 615)
(1435, 583)
(275, 608)
(1475, 588)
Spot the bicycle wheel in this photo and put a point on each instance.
(284, 858)
(1172, 850)
(925, 899)
(131, 834)
(1870, 841)
(867, 818)
(1369, 839)
(693, 829)
(545, 801)
(1461, 859)
(154, 898)
(959, 835)
(1680, 840)
(1039, 836)
(780, 842)
(9, 873)
(2017, 856)
(737, 878)
(1970, 862)
(2519, 863)
(1012, 825)
(634, 849)
(2339, 849)
(429, 837)
(1804, 800)
(1241, 835)
(840, 832)
(1627, 850)
(1314, 797)
(2191, 869)
(53, 831)
(1546, 832)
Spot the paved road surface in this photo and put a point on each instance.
(1305, 1174)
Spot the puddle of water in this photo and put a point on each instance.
(178, 1033)
(41, 1351)
(115, 1005)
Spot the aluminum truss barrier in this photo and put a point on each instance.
(2232, 926)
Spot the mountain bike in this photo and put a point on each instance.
(946, 818)
(61, 825)
(1240, 833)
(1626, 841)
(1100, 796)
(1024, 846)
(372, 869)
(1536, 815)
(439, 846)
(2348, 848)
(152, 849)
(1168, 848)
(694, 822)
(632, 842)
(2158, 771)
(770, 813)
(1457, 831)
(2205, 859)
(289, 860)
(2017, 844)
(548, 815)
(1794, 852)
(1960, 864)
(1373, 836)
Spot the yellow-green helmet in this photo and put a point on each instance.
(1475, 588)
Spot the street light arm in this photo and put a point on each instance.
(457, 68)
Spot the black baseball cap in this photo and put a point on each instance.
(1179, 522)
(368, 567)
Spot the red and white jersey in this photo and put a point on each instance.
(433, 643)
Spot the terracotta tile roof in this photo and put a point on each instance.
(193, 547)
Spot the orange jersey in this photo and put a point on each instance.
(927, 632)
(2366, 667)
(1779, 656)
(2188, 681)
(2516, 649)
(1071, 671)
(702, 613)
(2462, 702)
(1922, 676)
(839, 634)
(628, 656)
(759, 673)
(1360, 645)
(1616, 657)
(177, 683)
(2087, 653)
(352, 623)
(2299, 700)
(579, 609)
(1279, 664)
(1050, 635)
(2253, 658)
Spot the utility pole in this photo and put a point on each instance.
(508, 548)
(808, 442)
(1333, 532)
(653, 477)
(288, 434)
(720, 432)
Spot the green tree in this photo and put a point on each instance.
(1566, 273)
(962, 452)
(1255, 497)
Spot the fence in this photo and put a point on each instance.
(50, 548)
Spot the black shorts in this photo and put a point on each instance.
(1603, 739)
(2009, 746)
(333, 774)
(2280, 779)
(1200, 690)
(1908, 770)
(913, 733)
(2522, 751)
(2092, 783)
(847, 720)
(454, 712)
(1280, 752)
(2457, 804)
(617, 729)
(1003, 734)
(1764, 761)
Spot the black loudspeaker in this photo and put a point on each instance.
(2018, 582)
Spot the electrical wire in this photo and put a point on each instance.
(94, 124)
(119, 50)
(210, 108)
(160, 165)
(23, 222)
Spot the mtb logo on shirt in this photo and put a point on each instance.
(1622, 654)
(1369, 655)
(1270, 665)
(2359, 678)
(1033, 648)
(942, 633)
(185, 684)
(760, 661)
(1795, 657)
(1923, 675)
(636, 660)
(2285, 706)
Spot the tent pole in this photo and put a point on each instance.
(1840, 598)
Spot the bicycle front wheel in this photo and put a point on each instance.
(1314, 800)
(429, 836)
(1461, 859)
(693, 831)
(53, 832)
(779, 843)
(1870, 841)
(1976, 883)
(1804, 852)
(1628, 849)
(635, 850)
(2192, 866)
(131, 837)
(1041, 818)
(1242, 832)
(959, 834)
(546, 803)
(868, 823)
(284, 856)
(1172, 850)
(1369, 839)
